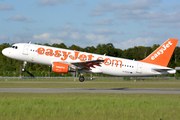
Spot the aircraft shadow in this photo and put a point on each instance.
(105, 88)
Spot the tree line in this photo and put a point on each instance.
(10, 67)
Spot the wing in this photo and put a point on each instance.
(88, 64)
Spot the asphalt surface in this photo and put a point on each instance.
(90, 90)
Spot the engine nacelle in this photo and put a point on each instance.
(60, 67)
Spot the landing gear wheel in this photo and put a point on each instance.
(81, 78)
(23, 69)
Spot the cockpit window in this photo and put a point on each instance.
(15, 47)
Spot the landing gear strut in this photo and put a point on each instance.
(24, 66)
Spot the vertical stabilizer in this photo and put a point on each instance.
(162, 54)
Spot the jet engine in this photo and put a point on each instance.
(60, 67)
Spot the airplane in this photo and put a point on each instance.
(64, 60)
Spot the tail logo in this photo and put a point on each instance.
(161, 51)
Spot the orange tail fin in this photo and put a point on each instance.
(162, 54)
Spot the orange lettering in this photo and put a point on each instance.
(40, 51)
(49, 52)
(65, 55)
(57, 53)
(90, 57)
(116, 61)
(75, 57)
(107, 61)
(82, 57)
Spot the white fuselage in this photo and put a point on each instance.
(111, 66)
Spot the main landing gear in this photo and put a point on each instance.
(81, 78)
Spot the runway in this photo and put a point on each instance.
(90, 90)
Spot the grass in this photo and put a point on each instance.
(80, 106)
(89, 106)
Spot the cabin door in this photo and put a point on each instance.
(26, 49)
(139, 68)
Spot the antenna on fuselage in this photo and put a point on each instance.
(29, 42)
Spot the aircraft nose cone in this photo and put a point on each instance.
(5, 52)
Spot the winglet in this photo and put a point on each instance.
(162, 54)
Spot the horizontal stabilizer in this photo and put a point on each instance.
(177, 68)
(162, 70)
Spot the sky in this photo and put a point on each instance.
(124, 23)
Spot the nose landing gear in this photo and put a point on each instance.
(24, 66)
